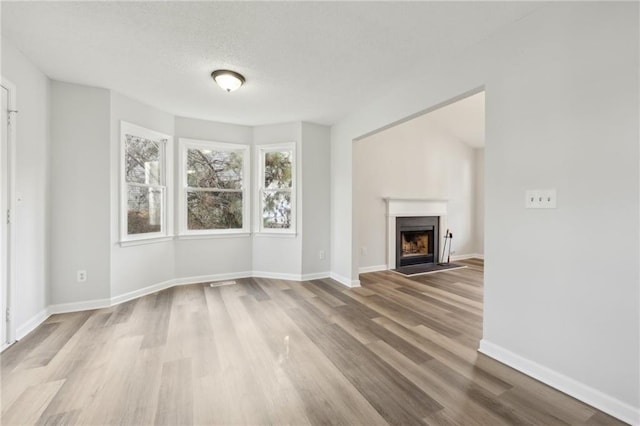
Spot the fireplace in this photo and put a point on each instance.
(416, 240)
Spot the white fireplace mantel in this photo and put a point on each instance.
(406, 207)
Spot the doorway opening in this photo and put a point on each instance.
(416, 182)
(435, 158)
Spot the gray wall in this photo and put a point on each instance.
(562, 111)
(32, 184)
(479, 200)
(136, 267)
(80, 192)
(212, 255)
(86, 125)
(554, 294)
(316, 198)
(280, 253)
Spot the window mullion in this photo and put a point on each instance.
(200, 189)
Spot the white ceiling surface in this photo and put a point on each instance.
(309, 61)
(463, 120)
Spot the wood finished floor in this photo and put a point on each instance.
(399, 350)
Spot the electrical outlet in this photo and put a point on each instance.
(81, 276)
(363, 251)
(540, 199)
(321, 255)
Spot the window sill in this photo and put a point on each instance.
(275, 234)
(210, 236)
(129, 243)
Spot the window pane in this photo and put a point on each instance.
(214, 169)
(144, 212)
(214, 210)
(142, 160)
(276, 211)
(277, 169)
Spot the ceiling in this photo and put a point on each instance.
(309, 61)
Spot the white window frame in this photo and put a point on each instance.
(166, 144)
(186, 144)
(261, 150)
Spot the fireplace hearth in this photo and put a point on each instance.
(416, 240)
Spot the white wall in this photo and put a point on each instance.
(279, 254)
(316, 198)
(136, 267)
(479, 200)
(218, 255)
(562, 111)
(80, 192)
(415, 159)
(32, 183)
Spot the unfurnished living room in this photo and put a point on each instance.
(359, 213)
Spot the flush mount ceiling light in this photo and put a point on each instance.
(228, 80)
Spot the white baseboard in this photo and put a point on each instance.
(125, 297)
(374, 268)
(578, 390)
(345, 281)
(32, 323)
(466, 256)
(316, 276)
(79, 306)
(210, 278)
(276, 275)
(62, 308)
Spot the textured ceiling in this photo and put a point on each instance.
(311, 61)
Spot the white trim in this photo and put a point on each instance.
(274, 235)
(210, 278)
(277, 275)
(374, 268)
(210, 236)
(571, 387)
(139, 242)
(466, 256)
(87, 305)
(62, 308)
(345, 281)
(166, 177)
(11, 330)
(260, 151)
(32, 323)
(125, 297)
(315, 276)
(183, 145)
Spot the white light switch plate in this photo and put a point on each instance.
(540, 199)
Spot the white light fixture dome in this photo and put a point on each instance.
(228, 80)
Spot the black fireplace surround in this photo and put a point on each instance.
(416, 240)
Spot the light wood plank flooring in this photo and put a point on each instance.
(398, 350)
